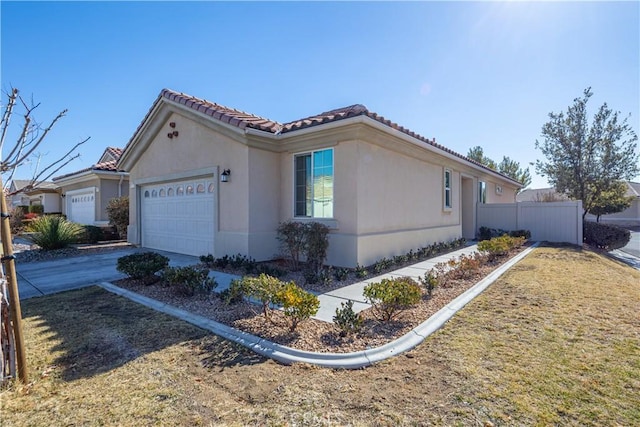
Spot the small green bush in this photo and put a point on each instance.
(391, 296)
(429, 281)
(90, 234)
(499, 246)
(54, 232)
(263, 288)
(346, 319)
(188, 281)
(361, 271)
(234, 293)
(341, 274)
(118, 213)
(143, 265)
(605, 236)
(297, 304)
(292, 237)
(316, 244)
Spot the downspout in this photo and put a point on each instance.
(120, 186)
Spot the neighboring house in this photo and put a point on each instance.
(46, 194)
(540, 195)
(86, 193)
(628, 217)
(205, 178)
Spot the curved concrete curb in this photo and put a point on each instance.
(353, 360)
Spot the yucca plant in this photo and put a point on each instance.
(54, 232)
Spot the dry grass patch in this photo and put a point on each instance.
(554, 341)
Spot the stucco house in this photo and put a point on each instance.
(205, 178)
(630, 217)
(46, 194)
(86, 193)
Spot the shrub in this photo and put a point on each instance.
(292, 237)
(118, 213)
(499, 246)
(263, 288)
(361, 271)
(391, 296)
(429, 281)
(316, 244)
(520, 233)
(346, 319)
(30, 215)
(17, 215)
(188, 280)
(234, 293)
(605, 236)
(90, 234)
(341, 274)
(36, 209)
(208, 260)
(143, 265)
(297, 304)
(54, 232)
(269, 270)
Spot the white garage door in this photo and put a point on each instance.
(178, 216)
(81, 207)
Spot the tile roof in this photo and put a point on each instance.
(245, 120)
(108, 166)
(115, 152)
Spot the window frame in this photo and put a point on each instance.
(447, 193)
(311, 153)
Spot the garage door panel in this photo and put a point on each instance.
(178, 221)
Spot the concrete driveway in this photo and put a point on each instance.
(633, 247)
(48, 277)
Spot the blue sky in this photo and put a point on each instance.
(466, 73)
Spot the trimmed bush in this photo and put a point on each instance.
(346, 319)
(90, 234)
(605, 236)
(234, 293)
(187, 281)
(316, 244)
(499, 246)
(391, 296)
(118, 213)
(263, 288)
(297, 304)
(292, 237)
(54, 232)
(143, 265)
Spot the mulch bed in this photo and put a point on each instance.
(312, 335)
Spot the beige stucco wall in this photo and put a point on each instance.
(109, 189)
(388, 192)
(197, 150)
(386, 202)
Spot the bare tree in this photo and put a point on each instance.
(31, 135)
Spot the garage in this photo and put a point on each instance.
(179, 216)
(81, 206)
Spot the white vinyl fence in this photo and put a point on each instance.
(551, 222)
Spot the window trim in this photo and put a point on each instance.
(445, 190)
(311, 153)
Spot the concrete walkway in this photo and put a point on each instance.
(330, 301)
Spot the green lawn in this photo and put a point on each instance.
(555, 341)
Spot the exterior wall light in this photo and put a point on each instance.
(224, 176)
